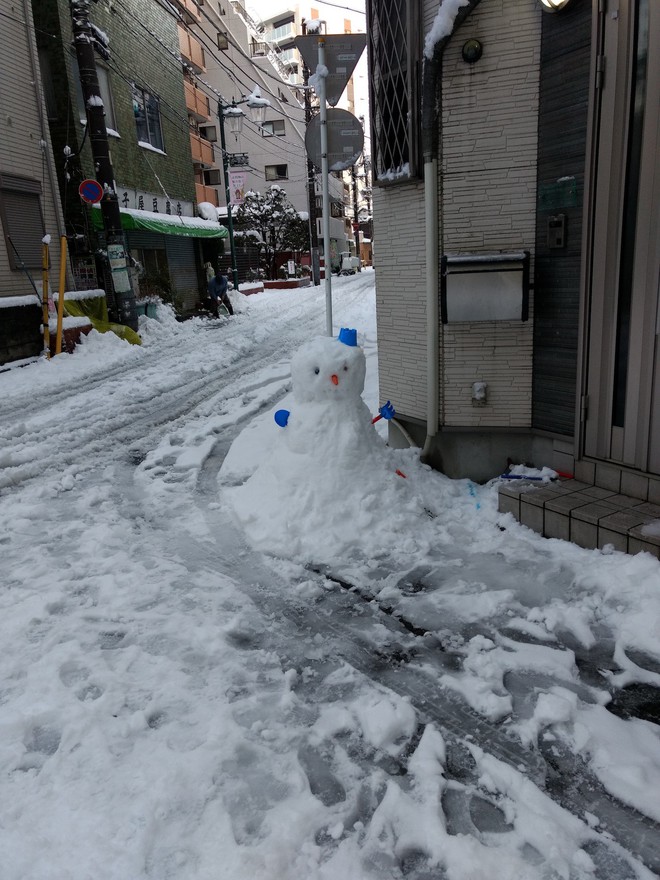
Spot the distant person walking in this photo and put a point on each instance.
(218, 292)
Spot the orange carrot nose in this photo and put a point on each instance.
(334, 379)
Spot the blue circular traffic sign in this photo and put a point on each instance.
(90, 191)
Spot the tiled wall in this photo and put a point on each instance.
(400, 264)
(489, 126)
(489, 119)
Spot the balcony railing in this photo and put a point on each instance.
(206, 194)
(202, 151)
(191, 51)
(197, 102)
(283, 32)
(190, 10)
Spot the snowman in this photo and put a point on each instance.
(328, 380)
(324, 449)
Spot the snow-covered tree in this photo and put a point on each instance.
(277, 222)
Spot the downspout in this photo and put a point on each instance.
(46, 145)
(430, 113)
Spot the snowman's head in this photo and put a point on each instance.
(327, 369)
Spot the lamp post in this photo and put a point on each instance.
(234, 116)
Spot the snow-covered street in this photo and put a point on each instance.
(416, 687)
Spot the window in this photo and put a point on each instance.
(147, 119)
(22, 220)
(104, 91)
(223, 41)
(273, 128)
(394, 55)
(277, 172)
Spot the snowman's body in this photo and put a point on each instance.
(327, 442)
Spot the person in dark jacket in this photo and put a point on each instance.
(218, 292)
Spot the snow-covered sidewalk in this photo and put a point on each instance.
(422, 688)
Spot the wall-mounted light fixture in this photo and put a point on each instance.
(553, 5)
(472, 51)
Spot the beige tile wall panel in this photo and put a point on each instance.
(399, 261)
(489, 196)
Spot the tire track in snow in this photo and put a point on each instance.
(623, 830)
(95, 429)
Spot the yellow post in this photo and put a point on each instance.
(44, 296)
(60, 299)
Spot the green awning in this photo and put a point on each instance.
(165, 224)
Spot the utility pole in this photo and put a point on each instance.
(225, 170)
(311, 184)
(356, 222)
(121, 297)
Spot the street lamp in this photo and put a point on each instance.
(233, 115)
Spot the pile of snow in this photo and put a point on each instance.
(207, 211)
(328, 449)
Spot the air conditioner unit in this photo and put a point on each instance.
(209, 133)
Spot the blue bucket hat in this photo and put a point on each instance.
(348, 336)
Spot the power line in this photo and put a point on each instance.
(176, 61)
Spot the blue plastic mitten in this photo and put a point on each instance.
(282, 417)
(387, 411)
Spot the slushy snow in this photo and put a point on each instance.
(177, 705)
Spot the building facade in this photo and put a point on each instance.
(29, 198)
(515, 172)
(277, 30)
(143, 50)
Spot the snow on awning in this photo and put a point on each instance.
(165, 224)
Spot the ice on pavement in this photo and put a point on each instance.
(176, 703)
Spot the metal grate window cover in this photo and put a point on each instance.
(393, 61)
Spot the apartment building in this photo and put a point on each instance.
(29, 197)
(144, 48)
(277, 32)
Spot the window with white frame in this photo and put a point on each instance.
(277, 172)
(146, 109)
(273, 128)
(394, 60)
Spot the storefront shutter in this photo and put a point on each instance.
(183, 270)
(22, 220)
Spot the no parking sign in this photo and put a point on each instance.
(90, 191)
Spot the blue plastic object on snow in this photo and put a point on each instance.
(282, 417)
(348, 336)
(387, 411)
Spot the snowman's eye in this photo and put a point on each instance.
(345, 368)
(316, 370)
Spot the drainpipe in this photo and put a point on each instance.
(430, 113)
